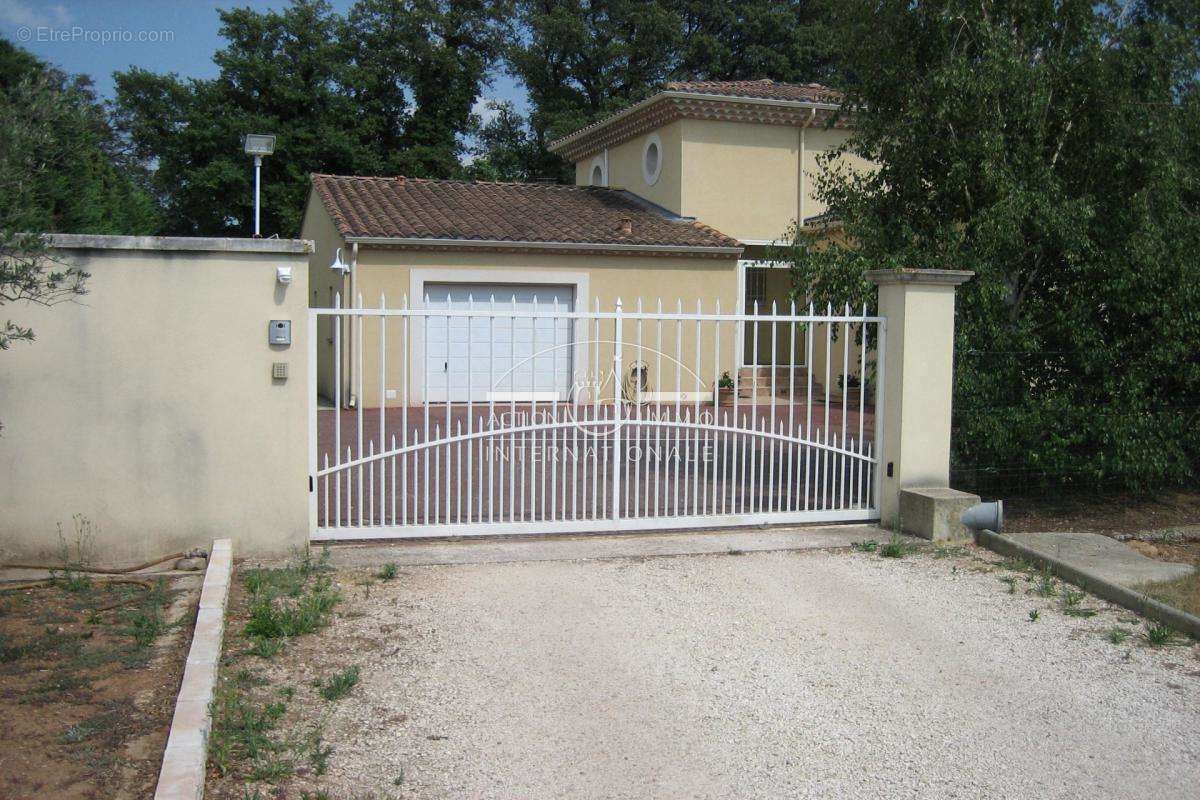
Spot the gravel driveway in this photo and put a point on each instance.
(770, 675)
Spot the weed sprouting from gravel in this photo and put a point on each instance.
(1073, 597)
(896, 548)
(1080, 612)
(242, 730)
(1159, 635)
(301, 612)
(1011, 582)
(318, 753)
(264, 648)
(340, 684)
(1046, 585)
(387, 572)
(1034, 615)
(1117, 635)
(866, 546)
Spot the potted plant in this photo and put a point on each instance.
(852, 386)
(724, 390)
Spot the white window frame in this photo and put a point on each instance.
(600, 162)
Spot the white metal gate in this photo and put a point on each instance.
(659, 428)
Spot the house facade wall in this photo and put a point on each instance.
(149, 406)
(625, 167)
(751, 181)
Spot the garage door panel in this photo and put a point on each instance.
(471, 357)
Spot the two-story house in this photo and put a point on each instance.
(675, 200)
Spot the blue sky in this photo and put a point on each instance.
(100, 37)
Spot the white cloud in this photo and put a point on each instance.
(18, 13)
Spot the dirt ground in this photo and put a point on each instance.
(1108, 513)
(797, 674)
(88, 677)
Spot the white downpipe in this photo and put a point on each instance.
(803, 189)
(351, 397)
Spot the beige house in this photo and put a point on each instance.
(676, 199)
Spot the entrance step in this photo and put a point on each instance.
(757, 382)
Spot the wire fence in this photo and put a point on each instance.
(1102, 445)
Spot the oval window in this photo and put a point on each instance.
(652, 159)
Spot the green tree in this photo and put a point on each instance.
(504, 149)
(386, 90)
(581, 60)
(1049, 147)
(61, 171)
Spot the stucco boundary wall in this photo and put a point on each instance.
(148, 406)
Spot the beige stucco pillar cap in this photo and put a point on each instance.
(937, 277)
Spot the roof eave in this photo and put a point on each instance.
(504, 244)
(559, 144)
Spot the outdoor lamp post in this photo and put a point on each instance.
(258, 145)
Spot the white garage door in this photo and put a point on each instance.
(502, 358)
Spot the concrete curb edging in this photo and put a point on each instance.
(1106, 589)
(186, 755)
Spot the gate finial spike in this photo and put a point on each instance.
(337, 299)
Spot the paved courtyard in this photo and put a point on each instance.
(815, 674)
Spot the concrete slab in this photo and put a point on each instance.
(1102, 556)
(600, 546)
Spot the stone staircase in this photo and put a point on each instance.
(756, 382)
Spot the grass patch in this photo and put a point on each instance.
(296, 613)
(249, 738)
(866, 546)
(242, 730)
(264, 648)
(1073, 597)
(387, 572)
(1182, 593)
(339, 685)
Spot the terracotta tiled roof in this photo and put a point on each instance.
(761, 101)
(764, 89)
(413, 208)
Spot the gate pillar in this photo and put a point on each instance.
(918, 380)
